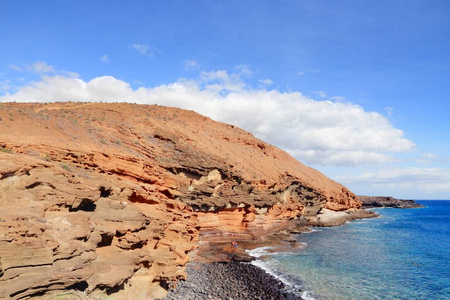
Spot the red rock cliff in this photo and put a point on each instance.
(112, 198)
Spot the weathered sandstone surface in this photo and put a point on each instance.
(383, 201)
(114, 198)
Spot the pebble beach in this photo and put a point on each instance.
(233, 280)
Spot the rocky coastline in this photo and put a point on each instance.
(233, 280)
(384, 201)
(231, 276)
(217, 272)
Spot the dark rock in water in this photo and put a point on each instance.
(381, 201)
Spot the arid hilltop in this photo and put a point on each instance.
(114, 198)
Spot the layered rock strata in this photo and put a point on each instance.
(113, 198)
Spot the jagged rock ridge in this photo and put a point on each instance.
(112, 198)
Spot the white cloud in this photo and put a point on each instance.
(315, 132)
(389, 110)
(334, 157)
(222, 81)
(40, 67)
(104, 58)
(191, 64)
(69, 74)
(427, 158)
(407, 181)
(5, 86)
(62, 88)
(143, 49)
(244, 70)
(266, 82)
(430, 155)
(412, 174)
(321, 94)
(337, 98)
(422, 161)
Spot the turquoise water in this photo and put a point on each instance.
(404, 254)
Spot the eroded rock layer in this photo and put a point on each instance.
(112, 198)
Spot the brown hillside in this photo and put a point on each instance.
(114, 196)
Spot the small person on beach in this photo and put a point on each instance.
(233, 246)
(173, 284)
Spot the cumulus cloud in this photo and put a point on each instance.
(64, 88)
(315, 132)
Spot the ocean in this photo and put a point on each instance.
(403, 254)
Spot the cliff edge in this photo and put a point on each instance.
(114, 198)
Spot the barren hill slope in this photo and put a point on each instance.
(113, 197)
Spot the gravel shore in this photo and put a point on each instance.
(232, 280)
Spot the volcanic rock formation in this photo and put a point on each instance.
(384, 201)
(113, 198)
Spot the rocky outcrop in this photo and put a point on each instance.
(382, 201)
(84, 230)
(114, 198)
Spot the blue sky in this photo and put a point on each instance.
(356, 89)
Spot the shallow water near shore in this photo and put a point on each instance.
(404, 254)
